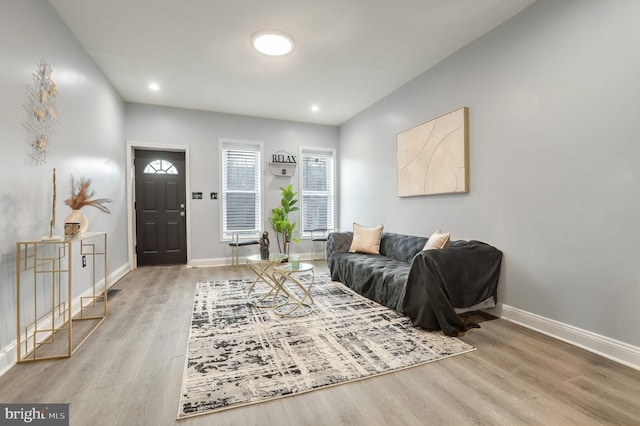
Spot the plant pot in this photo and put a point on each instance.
(76, 216)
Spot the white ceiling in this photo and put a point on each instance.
(349, 53)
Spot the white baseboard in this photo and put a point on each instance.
(9, 354)
(203, 263)
(118, 274)
(8, 357)
(615, 350)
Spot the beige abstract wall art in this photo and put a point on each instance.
(433, 158)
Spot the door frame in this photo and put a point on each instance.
(131, 216)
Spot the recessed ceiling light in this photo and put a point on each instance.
(272, 43)
(154, 86)
(315, 108)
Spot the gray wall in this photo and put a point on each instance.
(89, 142)
(201, 131)
(553, 96)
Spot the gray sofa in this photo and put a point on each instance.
(431, 287)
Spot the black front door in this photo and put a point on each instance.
(160, 208)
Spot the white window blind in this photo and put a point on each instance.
(241, 184)
(317, 175)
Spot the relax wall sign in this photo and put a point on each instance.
(283, 163)
(283, 157)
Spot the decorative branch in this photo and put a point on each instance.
(53, 206)
(81, 196)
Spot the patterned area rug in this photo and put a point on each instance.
(238, 354)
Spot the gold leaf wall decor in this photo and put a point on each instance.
(41, 110)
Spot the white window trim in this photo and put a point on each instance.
(240, 144)
(324, 151)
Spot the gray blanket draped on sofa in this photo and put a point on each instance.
(427, 286)
(441, 280)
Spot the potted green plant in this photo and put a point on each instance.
(280, 219)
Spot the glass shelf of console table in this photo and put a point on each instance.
(46, 305)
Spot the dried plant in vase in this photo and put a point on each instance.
(82, 196)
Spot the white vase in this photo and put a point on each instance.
(76, 216)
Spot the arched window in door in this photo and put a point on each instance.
(160, 167)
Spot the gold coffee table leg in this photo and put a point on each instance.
(295, 306)
(260, 268)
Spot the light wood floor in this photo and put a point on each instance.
(129, 372)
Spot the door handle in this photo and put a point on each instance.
(182, 214)
(182, 206)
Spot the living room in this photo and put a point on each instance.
(551, 95)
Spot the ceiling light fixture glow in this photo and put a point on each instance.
(315, 108)
(154, 87)
(272, 43)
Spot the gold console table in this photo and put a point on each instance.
(45, 307)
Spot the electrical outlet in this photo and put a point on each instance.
(84, 261)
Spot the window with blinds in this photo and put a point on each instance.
(241, 190)
(317, 190)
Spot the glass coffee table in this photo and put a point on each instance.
(263, 268)
(296, 304)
